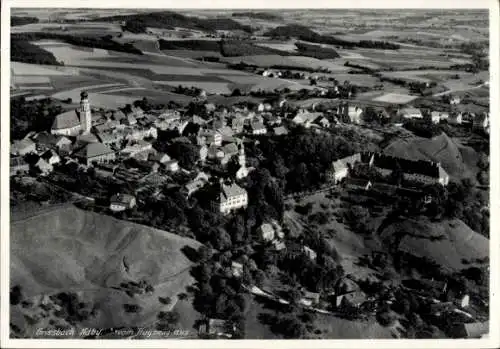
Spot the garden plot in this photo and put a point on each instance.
(395, 98)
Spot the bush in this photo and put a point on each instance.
(132, 308)
(304, 209)
(386, 318)
(15, 295)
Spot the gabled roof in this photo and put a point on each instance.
(230, 149)
(21, 144)
(122, 198)
(232, 190)
(45, 137)
(92, 150)
(358, 182)
(341, 164)
(281, 130)
(66, 120)
(476, 329)
(410, 110)
(257, 125)
(421, 167)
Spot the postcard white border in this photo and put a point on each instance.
(493, 341)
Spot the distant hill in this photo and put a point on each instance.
(259, 15)
(17, 20)
(441, 149)
(67, 249)
(304, 33)
(170, 20)
(449, 243)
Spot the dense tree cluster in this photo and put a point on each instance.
(235, 48)
(218, 294)
(423, 128)
(198, 45)
(316, 51)
(136, 27)
(259, 15)
(17, 20)
(26, 52)
(170, 20)
(104, 42)
(37, 115)
(303, 33)
(302, 157)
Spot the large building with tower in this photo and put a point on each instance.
(74, 122)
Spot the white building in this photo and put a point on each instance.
(437, 116)
(122, 202)
(411, 113)
(354, 114)
(230, 197)
(340, 167)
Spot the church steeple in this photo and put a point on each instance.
(241, 157)
(85, 114)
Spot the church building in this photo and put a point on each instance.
(74, 122)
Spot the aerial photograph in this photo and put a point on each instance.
(183, 174)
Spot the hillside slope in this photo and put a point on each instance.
(71, 250)
(441, 149)
(449, 243)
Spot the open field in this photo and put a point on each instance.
(288, 46)
(395, 98)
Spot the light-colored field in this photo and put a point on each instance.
(395, 98)
(158, 96)
(99, 100)
(25, 79)
(34, 87)
(19, 68)
(285, 46)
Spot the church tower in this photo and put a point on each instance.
(242, 161)
(85, 115)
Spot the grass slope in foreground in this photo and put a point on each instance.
(89, 256)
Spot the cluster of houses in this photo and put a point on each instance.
(477, 121)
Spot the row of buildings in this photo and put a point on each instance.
(421, 171)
